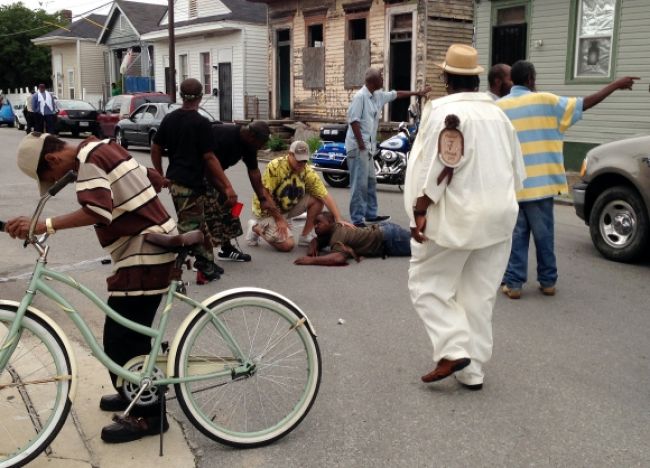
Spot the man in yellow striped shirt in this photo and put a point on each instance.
(541, 120)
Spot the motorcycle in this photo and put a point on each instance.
(389, 159)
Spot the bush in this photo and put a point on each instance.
(313, 143)
(276, 143)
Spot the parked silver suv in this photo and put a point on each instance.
(614, 198)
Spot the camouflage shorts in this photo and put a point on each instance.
(190, 210)
(222, 225)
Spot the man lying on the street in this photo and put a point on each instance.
(379, 240)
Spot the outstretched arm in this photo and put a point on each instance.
(622, 83)
(331, 259)
(19, 227)
(423, 92)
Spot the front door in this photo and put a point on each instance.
(225, 92)
(401, 43)
(284, 72)
(509, 34)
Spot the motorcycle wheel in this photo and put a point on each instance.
(337, 180)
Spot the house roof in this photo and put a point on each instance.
(84, 28)
(240, 10)
(144, 17)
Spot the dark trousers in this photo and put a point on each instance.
(44, 123)
(29, 120)
(50, 123)
(38, 122)
(122, 344)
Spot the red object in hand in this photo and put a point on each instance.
(236, 209)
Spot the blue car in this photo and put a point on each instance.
(7, 115)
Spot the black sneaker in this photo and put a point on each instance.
(233, 255)
(360, 225)
(377, 219)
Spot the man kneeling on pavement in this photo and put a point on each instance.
(379, 240)
(296, 189)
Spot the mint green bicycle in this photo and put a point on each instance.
(245, 364)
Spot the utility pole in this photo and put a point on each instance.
(172, 50)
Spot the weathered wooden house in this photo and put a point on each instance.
(577, 47)
(77, 59)
(320, 49)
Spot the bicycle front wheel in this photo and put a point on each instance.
(272, 399)
(34, 389)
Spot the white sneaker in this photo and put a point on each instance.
(304, 241)
(252, 239)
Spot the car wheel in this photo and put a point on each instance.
(20, 127)
(10, 124)
(618, 224)
(119, 137)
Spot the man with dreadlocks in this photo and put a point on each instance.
(187, 137)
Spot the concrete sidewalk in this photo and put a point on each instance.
(79, 444)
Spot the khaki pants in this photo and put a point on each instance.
(454, 291)
(270, 228)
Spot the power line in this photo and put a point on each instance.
(17, 33)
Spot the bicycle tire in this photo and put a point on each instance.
(200, 336)
(40, 356)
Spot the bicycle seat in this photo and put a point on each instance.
(175, 243)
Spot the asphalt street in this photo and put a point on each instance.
(568, 385)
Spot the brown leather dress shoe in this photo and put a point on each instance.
(445, 368)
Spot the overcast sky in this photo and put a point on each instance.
(77, 6)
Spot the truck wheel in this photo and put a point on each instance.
(336, 180)
(618, 224)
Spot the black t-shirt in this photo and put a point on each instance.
(230, 148)
(186, 136)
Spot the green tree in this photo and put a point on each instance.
(21, 62)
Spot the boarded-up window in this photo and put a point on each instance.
(357, 61)
(313, 67)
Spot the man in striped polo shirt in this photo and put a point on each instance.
(119, 197)
(541, 120)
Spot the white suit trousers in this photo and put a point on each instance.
(454, 293)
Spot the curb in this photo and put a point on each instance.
(79, 444)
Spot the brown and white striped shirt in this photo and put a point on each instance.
(113, 185)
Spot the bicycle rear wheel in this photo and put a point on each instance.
(34, 389)
(265, 405)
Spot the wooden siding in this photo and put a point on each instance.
(92, 71)
(456, 9)
(256, 73)
(205, 8)
(120, 33)
(441, 34)
(623, 114)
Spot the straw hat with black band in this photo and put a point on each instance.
(461, 59)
